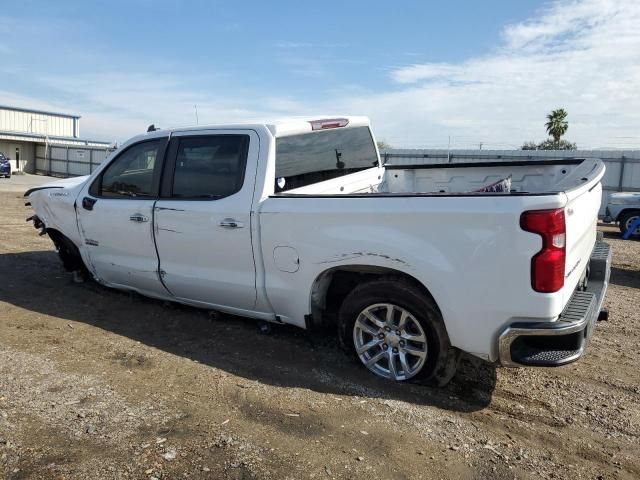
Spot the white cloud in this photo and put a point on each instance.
(580, 55)
(583, 55)
(415, 73)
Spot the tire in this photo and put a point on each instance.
(421, 350)
(626, 219)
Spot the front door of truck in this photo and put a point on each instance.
(203, 219)
(115, 218)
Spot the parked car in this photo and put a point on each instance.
(297, 222)
(624, 209)
(5, 166)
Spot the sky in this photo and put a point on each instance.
(428, 74)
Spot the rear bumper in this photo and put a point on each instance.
(551, 344)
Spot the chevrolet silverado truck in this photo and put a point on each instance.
(298, 222)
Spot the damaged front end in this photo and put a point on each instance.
(67, 250)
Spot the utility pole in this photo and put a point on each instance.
(449, 150)
(480, 145)
(196, 109)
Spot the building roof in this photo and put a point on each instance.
(41, 112)
(50, 139)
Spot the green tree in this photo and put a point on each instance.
(382, 145)
(559, 145)
(557, 124)
(549, 145)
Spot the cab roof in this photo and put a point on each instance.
(282, 127)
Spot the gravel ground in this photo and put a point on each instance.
(96, 383)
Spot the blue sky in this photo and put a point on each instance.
(423, 71)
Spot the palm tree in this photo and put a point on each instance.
(557, 124)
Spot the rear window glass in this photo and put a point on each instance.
(314, 157)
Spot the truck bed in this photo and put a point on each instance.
(532, 177)
(432, 221)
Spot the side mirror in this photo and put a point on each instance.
(88, 203)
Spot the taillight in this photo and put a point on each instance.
(547, 266)
(329, 123)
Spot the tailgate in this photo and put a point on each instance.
(581, 217)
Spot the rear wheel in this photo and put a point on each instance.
(397, 332)
(627, 219)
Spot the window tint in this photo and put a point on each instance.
(132, 173)
(210, 166)
(313, 157)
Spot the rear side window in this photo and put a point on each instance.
(314, 157)
(132, 173)
(209, 166)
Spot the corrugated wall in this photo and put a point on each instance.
(623, 166)
(67, 161)
(39, 123)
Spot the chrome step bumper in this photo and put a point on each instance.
(551, 344)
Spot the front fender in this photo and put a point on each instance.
(55, 207)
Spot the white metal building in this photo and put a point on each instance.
(30, 137)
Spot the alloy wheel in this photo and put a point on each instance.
(390, 341)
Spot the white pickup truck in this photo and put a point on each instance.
(298, 222)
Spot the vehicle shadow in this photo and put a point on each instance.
(614, 234)
(625, 278)
(288, 357)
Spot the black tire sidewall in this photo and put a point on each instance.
(624, 218)
(403, 295)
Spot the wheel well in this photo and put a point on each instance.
(332, 286)
(627, 211)
(67, 250)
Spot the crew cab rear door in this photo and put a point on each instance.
(115, 218)
(203, 219)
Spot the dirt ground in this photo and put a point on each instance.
(96, 383)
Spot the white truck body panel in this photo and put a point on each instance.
(466, 249)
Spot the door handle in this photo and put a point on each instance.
(138, 217)
(231, 223)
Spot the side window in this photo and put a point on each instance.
(209, 166)
(132, 173)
